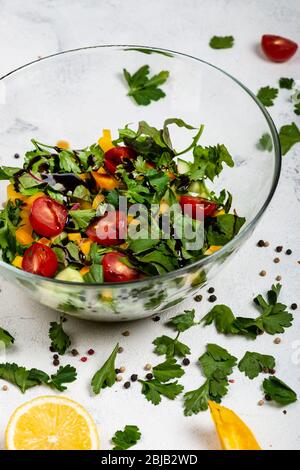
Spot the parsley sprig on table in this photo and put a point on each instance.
(265, 142)
(60, 341)
(170, 347)
(253, 363)
(287, 83)
(143, 88)
(279, 391)
(221, 42)
(289, 135)
(183, 321)
(6, 337)
(267, 95)
(217, 365)
(123, 440)
(106, 376)
(28, 378)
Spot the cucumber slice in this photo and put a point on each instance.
(182, 166)
(199, 188)
(70, 275)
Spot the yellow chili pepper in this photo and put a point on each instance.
(105, 141)
(233, 433)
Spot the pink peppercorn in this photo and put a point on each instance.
(83, 359)
(231, 381)
(91, 352)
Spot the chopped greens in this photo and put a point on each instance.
(6, 337)
(287, 83)
(265, 143)
(106, 376)
(143, 88)
(123, 440)
(221, 42)
(289, 135)
(60, 341)
(267, 95)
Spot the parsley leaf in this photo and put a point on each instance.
(6, 337)
(68, 163)
(144, 89)
(60, 341)
(123, 440)
(167, 370)
(221, 42)
(223, 319)
(297, 109)
(196, 400)
(289, 135)
(254, 363)
(82, 217)
(170, 347)
(266, 95)
(224, 228)
(65, 374)
(216, 358)
(265, 142)
(208, 161)
(7, 172)
(184, 321)
(106, 376)
(279, 391)
(154, 390)
(287, 83)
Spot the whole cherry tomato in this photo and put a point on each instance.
(277, 48)
(116, 271)
(115, 156)
(47, 217)
(190, 204)
(109, 229)
(40, 259)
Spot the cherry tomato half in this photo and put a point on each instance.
(116, 271)
(190, 204)
(109, 229)
(277, 48)
(115, 156)
(40, 259)
(47, 217)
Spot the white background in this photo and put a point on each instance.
(40, 27)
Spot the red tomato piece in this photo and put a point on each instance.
(109, 229)
(40, 259)
(277, 48)
(116, 155)
(47, 217)
(116, 271)
(197, 207)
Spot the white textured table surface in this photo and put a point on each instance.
(40, 27)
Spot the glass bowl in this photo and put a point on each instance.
(75, 94)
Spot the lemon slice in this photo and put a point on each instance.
(51, 423)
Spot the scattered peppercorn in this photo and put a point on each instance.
(126, 333)
(148, 367)
(156, 318)
(122, 369)
(117, 371)
(263, 273)
(278, 278)
(198, 298)
(83, 359)
(211, 290)
(272, 371)
(284, 412)
(55, 356)
(260, 243)
(268, 398)
(5, 388)
(267, 244)
(134, 378)
(52, 349)
(288, 252)
(91, 352)
(261, 403)
(119, 378)
(212, 298)
(149, 376)
(231, 381)
(127, 384)
(279, 249)
(277, 340)
(120, 350)
(186, 361)
(294, 306)
(74, 352)
(16, 155)
(56, 362)
(265, 370)
(276, 260)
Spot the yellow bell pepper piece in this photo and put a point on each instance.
(24, 235)
(212, 249)
(12, 194)
(31, 199)
(97, 200)
(218, 213)
(105, 181)
(63, 144)
(85, 205)
(85, 247)
(84, 270)
(105, 141)
(233, 433)
(107, 295)
(17, 262)
(74, 237)
(44, 241)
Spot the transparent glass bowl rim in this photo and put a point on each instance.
(204, 261)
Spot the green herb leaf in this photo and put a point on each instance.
(167, 370)
(8, 172)
(224, 229)
(95, 274)
(287, 83)
(6, 337)
(144, 89)
(265, 143)
(123, 440)
(65, 374)
(164, 345)
(223, 319)
(196, 400)
(154, 390)
(297, 109)
(82, 217)
(208, 162)
(221, 42)
(266, 95)
(289, 135)
(106, 376)
(183, 321)
(60, 341)
(215, 359)
(68, 163)
(254, 363)
(279, 391)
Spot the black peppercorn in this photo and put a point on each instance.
(186, 361)
(126, 384)
(260, 243)
(149, 376)
(134, 378)
(294, 306)
(211, 290)
(198, 298)
(212, 298)
(288, 252)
